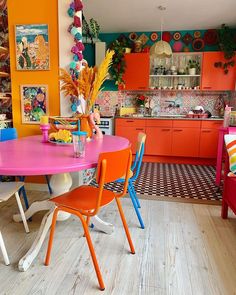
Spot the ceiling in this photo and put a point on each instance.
(144, 15)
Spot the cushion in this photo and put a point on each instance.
(230, 142)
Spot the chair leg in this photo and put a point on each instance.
(4, 251)
(135, 195)
(136, 207)
(22, 213)
(125, 225)
(224, 209)
(88, 238)
(22, 190)
(48, 183)
(92, 251)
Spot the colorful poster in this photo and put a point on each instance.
(34, 103)
(32, 47)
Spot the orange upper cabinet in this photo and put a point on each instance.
(136, 74)
(214, 78)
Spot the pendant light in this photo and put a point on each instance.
(161, 48)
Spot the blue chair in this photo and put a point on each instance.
(134, 173)
(9, 134)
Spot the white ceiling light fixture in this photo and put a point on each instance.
(161, 48)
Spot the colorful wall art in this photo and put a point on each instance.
(34, 103)
(32, 47)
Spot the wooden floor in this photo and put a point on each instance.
(184, 249)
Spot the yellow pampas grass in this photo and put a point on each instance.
(68, 86)
(100, 77)
(89, 82)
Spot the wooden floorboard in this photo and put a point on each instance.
(184, 249)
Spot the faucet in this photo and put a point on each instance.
(172, 104)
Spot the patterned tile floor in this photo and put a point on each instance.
(176, 180)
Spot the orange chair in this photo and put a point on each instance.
(86, 200)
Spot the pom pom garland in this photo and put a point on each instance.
(75, 29)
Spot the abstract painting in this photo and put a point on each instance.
(32, 47)
(34, 103)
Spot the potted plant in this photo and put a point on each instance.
(193, 67)
(118, 62)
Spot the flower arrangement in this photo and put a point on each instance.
(87, 86)
(141, 100)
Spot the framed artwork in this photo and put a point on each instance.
(34, 103)
(32, 47)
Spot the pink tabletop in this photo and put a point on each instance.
(29, 156)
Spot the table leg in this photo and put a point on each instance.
(29, 257)
(103, 226)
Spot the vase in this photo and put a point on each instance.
(141, 110)
(85, 125)
(192, 71)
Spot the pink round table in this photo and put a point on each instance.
(29, 156)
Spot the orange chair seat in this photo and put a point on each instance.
(83, 197)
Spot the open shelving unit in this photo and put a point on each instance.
(180, 61)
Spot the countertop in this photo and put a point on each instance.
(170, 118)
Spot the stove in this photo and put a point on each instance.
(107, 125)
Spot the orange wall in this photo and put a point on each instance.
(34, 12)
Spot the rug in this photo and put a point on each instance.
(180, 181)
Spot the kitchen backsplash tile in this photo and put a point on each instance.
(187, 100)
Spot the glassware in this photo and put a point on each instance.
(79, 142)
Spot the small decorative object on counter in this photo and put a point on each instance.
(94, 118)
(227, 113)
(44, 126)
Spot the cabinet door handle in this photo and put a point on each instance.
(178, 130)
(207, 87)
(141, 87)
(165, 129)
(206, 131)
(141, 129)
(129, 121)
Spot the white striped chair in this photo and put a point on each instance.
(7, 190)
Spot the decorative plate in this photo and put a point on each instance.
(197, 34)
(210, 37)
(177, 36)
(198, 44)
(166, 36)
(143, 38)
(177, 46)
(154, 37)
(133, 36)
(187, 39)
(59, 142)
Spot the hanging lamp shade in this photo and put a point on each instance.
(161, 49)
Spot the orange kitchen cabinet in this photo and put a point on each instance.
(185, 142)
(158, 141)
(213, 78)
(137, 71)
(130, 129)
(209, 139)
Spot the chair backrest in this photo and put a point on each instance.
(140, 144)
(113, 165)
(8, 134)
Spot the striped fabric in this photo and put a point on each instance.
(230, 142)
